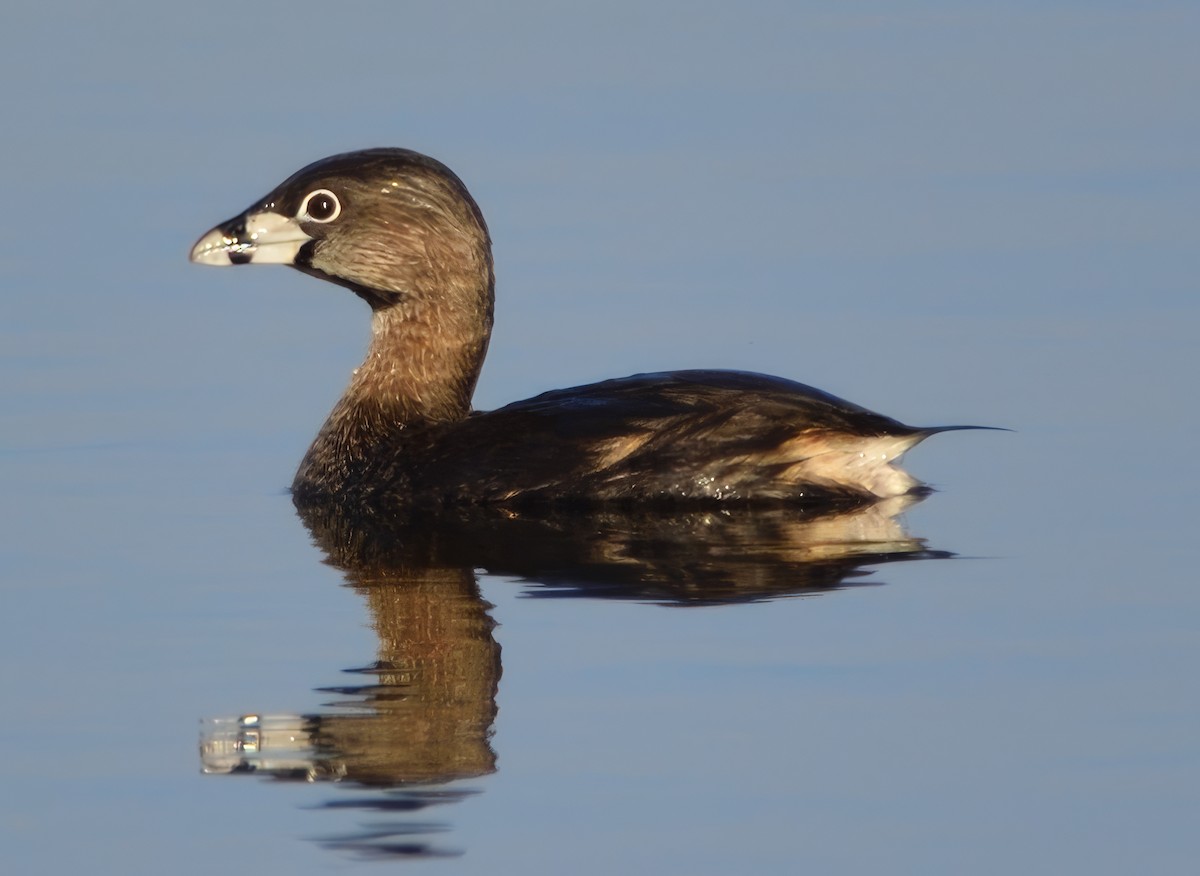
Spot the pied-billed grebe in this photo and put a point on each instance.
(401, 231)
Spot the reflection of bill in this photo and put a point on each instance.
(278, 745)
(424, 714)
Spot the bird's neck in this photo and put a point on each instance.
(420, 369)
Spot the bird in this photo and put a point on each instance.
(401, 231)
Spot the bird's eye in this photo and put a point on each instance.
(321, 206)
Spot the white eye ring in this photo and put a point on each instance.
(320, 206)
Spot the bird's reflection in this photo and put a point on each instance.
(417, 722)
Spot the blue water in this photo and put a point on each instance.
(947, 214)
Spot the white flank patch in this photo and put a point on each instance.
(863, 464)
